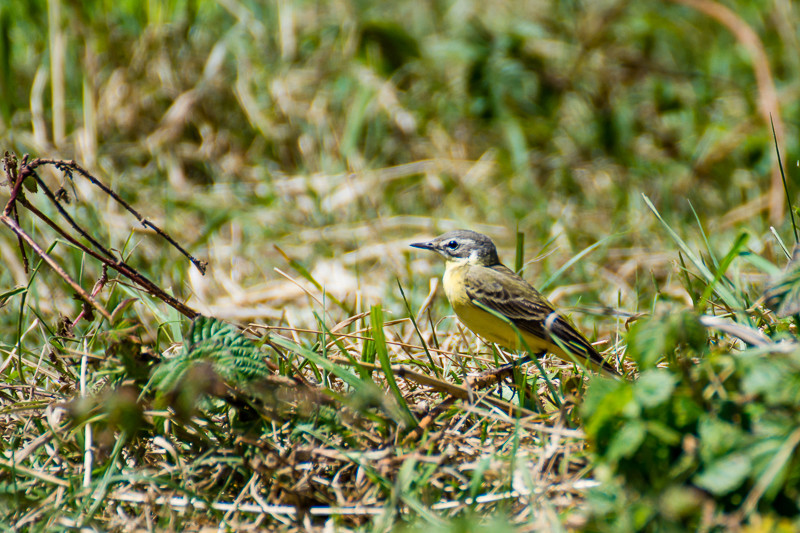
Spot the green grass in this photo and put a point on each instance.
(620, 155)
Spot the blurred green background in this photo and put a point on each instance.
(341, 131)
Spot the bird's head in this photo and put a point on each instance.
(463, 247)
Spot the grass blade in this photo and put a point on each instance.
(434, 366)
(723, 266)
(783, 177)
(723, 292)
(376, 319)
(519, 259)
(555, 275)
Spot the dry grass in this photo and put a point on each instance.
(307, 460)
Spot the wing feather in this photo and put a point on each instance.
(502, 290)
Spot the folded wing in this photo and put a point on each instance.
(502, 290)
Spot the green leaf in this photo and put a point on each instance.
(207, 328)
(772, 469)
(626, 441)
(232, 356)
(685, 329)
(724, 475)
(686, 411)
(653, 339)
(606, 401)
(663, 432)
(654, 387)
(647, 343)
(761, 377)
(680, 501)
(717, 437)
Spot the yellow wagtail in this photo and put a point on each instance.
(475, 276)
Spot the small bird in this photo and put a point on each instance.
(474, 275)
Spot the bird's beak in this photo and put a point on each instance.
(423, 245)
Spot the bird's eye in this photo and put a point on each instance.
(452, 245)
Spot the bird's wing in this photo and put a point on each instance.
(502, 290)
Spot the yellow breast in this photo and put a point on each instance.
(481, 322)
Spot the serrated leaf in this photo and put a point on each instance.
(232, 356)
(207, 328)
(169, 373)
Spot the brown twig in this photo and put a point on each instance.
(10, 167)
(9, 221)
(68, 167)
(98, 286)
(417, 432)
(97, 250)
(117, 264)
(52, 197)
(15, 180)
(458, 392)
(25, 265)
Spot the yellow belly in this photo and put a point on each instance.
(481, 322)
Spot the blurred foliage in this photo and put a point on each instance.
(339, 129)
(246, 120)
(783, 294)
(696, 445)
(587, 101)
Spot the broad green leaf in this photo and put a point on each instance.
(626, 441)
(606, 400)
(717, 437)
(654, 387)
(647, 343)
(724, 475)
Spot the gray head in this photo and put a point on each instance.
(463, 246)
